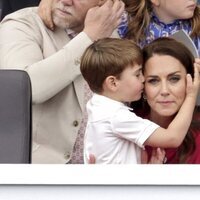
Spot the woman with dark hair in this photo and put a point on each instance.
(166, 62)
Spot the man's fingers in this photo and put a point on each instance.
(44, 12)
(101, 21)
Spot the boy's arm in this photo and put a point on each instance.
(178, 128)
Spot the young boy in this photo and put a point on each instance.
(113, 70)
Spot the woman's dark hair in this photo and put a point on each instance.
(171, 47)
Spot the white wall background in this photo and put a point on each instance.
(99, 192)
(99, 182)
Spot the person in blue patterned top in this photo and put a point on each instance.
(147, 20)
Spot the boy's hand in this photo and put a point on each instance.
(193, 86)
(44, 12)
(197, 63)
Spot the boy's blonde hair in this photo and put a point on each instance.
(106, 57)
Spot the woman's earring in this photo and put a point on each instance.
(144, 96)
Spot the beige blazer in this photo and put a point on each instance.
(52, 62)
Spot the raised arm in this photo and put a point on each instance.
(27, 45)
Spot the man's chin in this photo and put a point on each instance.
(60, 24)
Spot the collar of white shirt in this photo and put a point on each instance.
(100, 107)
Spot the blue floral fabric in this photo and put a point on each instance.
(158, 29)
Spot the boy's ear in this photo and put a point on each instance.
(111, 83)
(155, 2)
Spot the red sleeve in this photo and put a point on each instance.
(195, 157)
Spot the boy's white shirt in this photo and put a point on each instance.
(114, 134)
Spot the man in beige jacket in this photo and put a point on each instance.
(52, 60)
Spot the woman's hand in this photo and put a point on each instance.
(92, 159)
(157, 157)
(44, 12)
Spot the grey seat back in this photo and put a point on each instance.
(15, 117)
